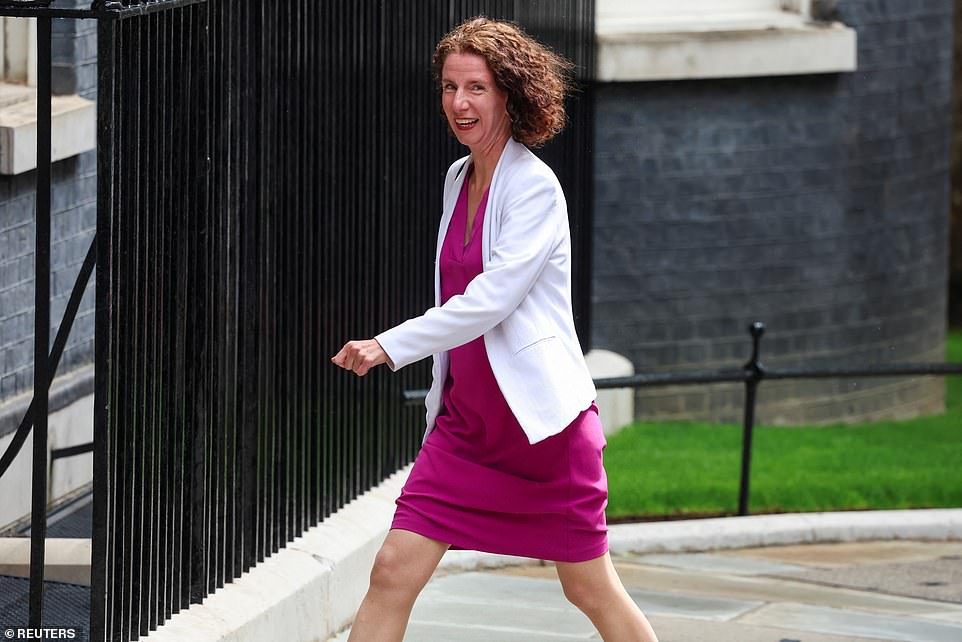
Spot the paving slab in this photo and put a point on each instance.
(493, 589)
(671, 629)
(421, 631)
(715, 563)
(848, 622)
(836, 554)
(752, 588)
(698, 607)
(439, 632)
(938, 579)
(437, 608)
(463, 598)
(953, 617)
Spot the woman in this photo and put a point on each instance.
(511, 460)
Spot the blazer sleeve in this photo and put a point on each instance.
(529, 234)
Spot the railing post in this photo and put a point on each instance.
(41, 350)
(754, 372)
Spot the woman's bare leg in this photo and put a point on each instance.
(402, 567)
(595, 588)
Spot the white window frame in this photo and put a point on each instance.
(680, 39)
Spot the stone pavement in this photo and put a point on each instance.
(896, 590)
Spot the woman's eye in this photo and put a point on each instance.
(448, 87)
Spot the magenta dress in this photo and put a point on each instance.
(477, 483)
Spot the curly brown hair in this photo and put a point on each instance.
(535, 78)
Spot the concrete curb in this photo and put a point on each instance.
(790, 528)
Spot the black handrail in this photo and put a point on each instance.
(99, 9)
(63, 332)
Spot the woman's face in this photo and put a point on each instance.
(476, 108)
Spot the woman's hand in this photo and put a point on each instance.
(360, 356)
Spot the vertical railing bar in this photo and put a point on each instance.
(355, 47)
(235, 538)
(187, 326)
(297, 222)
(181, 118)
(101, 526)
(162, 608)
(304, 356)
(119, 305)
(203, 280)
(222, 315)
(151, 272)
(103, 481)
(329, 311)
(158, 267)
(234, 221)
(275, 460)
(286, 428)
(267, 126)
(262, 493)
(180, 47)
(314, 328)
(212, 307)
(194, 430)
(135, 428)
(754, 371)
(246, 401)
(41, 374)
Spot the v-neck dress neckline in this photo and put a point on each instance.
(459, 221)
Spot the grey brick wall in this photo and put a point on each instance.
(73, 222)
(818, 204)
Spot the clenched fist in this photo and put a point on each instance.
(360, 356)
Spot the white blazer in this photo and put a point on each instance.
(521, 302)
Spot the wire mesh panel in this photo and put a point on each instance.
(269, 187)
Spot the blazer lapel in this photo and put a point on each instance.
(492, 215)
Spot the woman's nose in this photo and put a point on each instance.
(460, 101)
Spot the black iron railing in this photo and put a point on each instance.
(45, 360)
(269, 178)
(752, 373)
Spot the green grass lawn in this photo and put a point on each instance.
(664, 469)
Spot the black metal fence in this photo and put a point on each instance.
(269, 180)
(752, 373)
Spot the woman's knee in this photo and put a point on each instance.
(591, 587)
(402, 568)
(586, 596)
(388, 573)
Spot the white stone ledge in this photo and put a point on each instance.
(73, 128)
(65, 559)
(723, 50)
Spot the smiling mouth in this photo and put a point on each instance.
(465, 122)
